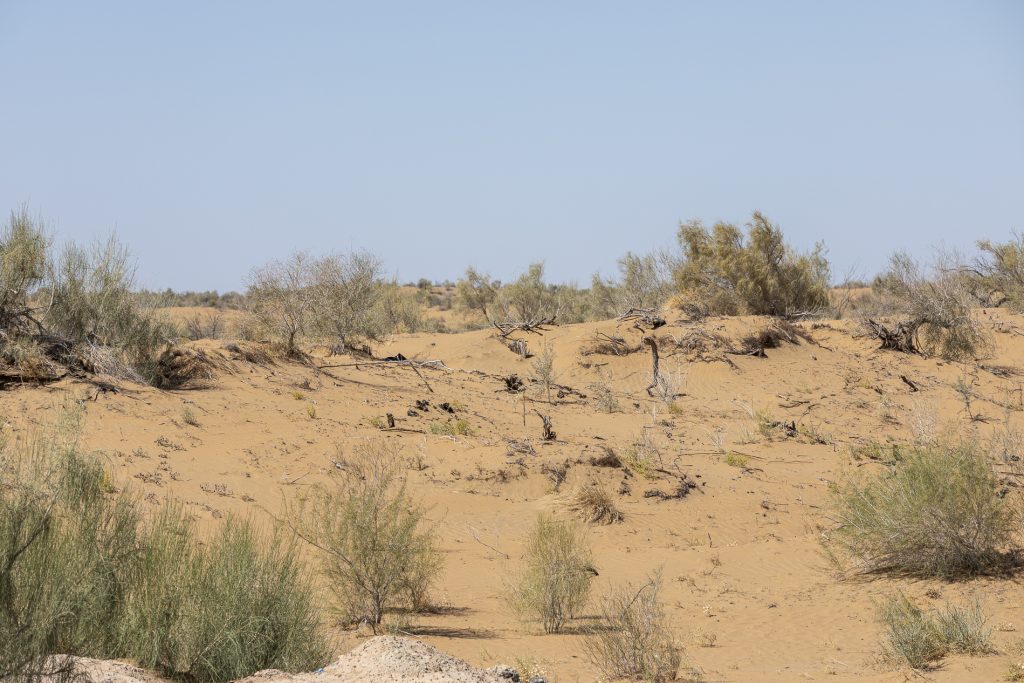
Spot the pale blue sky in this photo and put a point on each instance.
(214, 136)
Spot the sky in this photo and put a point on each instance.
(216, 136)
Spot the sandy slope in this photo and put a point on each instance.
(749, 591)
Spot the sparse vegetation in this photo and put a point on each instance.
(339, 297)
(919, 638)
(734, 459)
(375, 546)
(937, 513)
(603, 397)
(937, 316)
(457, 427)
(554, 583)
(593, 503)
(544, 369)
(633, 640)
(82, 573)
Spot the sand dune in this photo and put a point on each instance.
(750, 593)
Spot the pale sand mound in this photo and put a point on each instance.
(384, 659)
(387, 659)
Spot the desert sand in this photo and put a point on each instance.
(750, 592)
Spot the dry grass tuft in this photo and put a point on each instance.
(593, 503)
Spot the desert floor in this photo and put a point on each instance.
(749, 590)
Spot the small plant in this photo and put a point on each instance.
(377, 422)
(919, 638)
(604, 398)
(634, 640)
(375, 547)
(1015, 671)
(643, 457)
(298, 395)
(311, 411)
(938, 513)
(593, 503)
(734, 459)
(188, 416)
(765, 423)
(555, 582)
(876, 450)
(544, 369)
(966, 391)
(457, 427)
(675, 410)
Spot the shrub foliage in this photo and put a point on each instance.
(82, 573)
(936, 513)
(757, 273)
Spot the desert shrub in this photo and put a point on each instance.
(758, 273)
(936, 311)
(476, 292)
(593, 503)
(554, 583)
(997, 275)
(642, 284)
(351, 302)
(218, 611)
(603, 397)
(528, 299)
(23, 262)
(81, 573)
(633, 639)
(456, 427)
(338, 297)
(95, 307)
(936, 513)
(375, 547)
(543, 367)
(572, 304)
(65, 551)
(281, 298)
(919, 638)
(208, 326)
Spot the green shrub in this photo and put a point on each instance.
(998, 273)
(555, 582)
(24, 248)
(920, 638)
(759, 273)
(95, 307)
(457, 427)
(81, 573)
(642, 284)
(633, 640)
(220, 611)
(374, 546)
(936, 513)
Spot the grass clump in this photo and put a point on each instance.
(736, 460)
(937, 513)
(919, 638)
(457, 427)
(593, 503)
(633, 640)
(375, 546)
(188, 416)
(555, 582)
